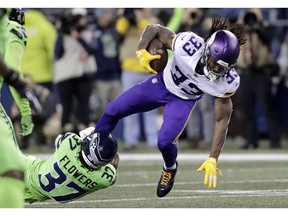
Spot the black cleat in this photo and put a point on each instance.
(166, 181)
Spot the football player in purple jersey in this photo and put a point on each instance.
(198, 66)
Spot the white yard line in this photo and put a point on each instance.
(194, 157)
(216, 194)
(201, 182)
(199, 156)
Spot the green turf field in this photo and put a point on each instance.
(251, 179)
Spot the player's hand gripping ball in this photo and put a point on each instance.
(156, 47)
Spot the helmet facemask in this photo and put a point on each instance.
(214, 70)
(88, 153)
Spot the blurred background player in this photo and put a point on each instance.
(15, 47)
(47, 122)
(13, 42)
(39, 54)
(258, 71)
(71, 55)
(105, 40)
(81, 164)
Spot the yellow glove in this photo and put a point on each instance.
(26, 125)
(145, 58)
(210, 167)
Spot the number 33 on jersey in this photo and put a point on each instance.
(180, 74)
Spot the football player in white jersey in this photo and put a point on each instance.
(198, 66)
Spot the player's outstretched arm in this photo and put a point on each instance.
(223, 111)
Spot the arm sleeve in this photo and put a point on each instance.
(113, 173)
(13, 58)
(234, 84)
(13, 55)
(22, 103)
(180, 39)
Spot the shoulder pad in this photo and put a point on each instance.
(20, 33)
(15, 32)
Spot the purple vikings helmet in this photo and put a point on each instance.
(99, 149)
(223, 49)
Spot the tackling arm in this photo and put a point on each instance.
(115, 161)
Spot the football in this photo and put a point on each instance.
(156, 47)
